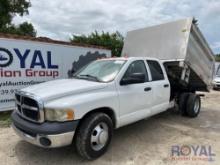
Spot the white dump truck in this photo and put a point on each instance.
(166, 65)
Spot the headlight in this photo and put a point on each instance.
(59, 114)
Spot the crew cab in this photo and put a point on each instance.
(102, 96)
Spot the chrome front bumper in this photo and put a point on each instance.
(46, 134)
(58, 140)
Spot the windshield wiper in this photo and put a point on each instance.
(89, 76)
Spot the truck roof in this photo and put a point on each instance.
(129, 58)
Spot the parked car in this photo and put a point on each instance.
(216, 80)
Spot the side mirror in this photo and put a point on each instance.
(134, 78)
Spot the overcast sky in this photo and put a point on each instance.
(58, 19)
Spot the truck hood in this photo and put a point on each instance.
(59, 88)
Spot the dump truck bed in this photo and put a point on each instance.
(179, 44)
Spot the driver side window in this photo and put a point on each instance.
(136, 67)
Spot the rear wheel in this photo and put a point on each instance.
(183, 103)
(94, 136)
(193, 105)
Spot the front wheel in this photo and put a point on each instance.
(193, 105)
(94, 135)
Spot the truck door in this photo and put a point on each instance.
(160, 86)
(135, 99)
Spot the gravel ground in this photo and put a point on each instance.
(145, 142)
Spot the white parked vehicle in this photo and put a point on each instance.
(216, 80)
(108, 94)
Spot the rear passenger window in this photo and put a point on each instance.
(155, 69)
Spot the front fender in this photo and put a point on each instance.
(88, 101)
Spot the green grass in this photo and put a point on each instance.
(5, 119)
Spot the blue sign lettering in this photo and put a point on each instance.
(49, 61)
(21, 57)
(37, 59)
(39, 62)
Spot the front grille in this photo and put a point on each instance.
(28, 107)
(19, 108)
(34, 115)
(29, 101)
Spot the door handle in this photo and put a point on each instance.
(166, 85)
(147, 89)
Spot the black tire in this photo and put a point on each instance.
(193, 105)
(85, 132)
(183, 103)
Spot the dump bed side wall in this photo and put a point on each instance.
(164, 42)
(174, 41)
(199, 56)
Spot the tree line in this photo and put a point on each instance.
(8, 10)
(113, 41)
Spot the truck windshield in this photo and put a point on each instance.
(100, 71)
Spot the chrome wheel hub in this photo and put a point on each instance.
(99, 136)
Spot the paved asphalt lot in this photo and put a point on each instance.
(145, 142)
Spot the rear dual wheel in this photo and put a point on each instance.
(193, 105)
(183, 103)
(189, 104)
